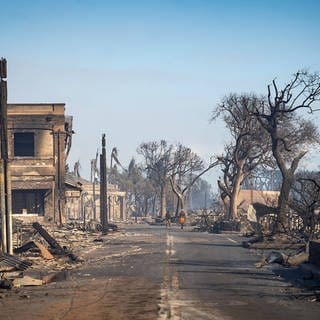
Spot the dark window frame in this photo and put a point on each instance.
(24, 144)
(33, 200)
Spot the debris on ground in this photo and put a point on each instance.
(247, 228)
(205, 224)
(112, 227)
(273, 257)
(283, 259)
(213, 223)
(44, 254)
(54, 245)
(249, 243)
(5, 284)
(9, 262)
(312, 296)
(26, 281)
(55, 277)
(294, 253)
(297, 259)
(271, 243)
(157, 221)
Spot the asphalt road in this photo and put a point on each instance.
(150, 272)
(213, 277)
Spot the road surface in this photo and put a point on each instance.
(150, 272)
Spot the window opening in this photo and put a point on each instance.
(31, 201)
(24, 144)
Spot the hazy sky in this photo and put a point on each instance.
(150, 70)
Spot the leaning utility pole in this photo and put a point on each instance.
(5, 181)
(103, 187)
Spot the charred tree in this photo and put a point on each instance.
(291, 135)
(305, 201)
(158, 165)
(249, 146)
(187, 168)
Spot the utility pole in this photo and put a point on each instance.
(94, 196)
(103, 187)
(5, 180)
(60, 178)
(94, 171)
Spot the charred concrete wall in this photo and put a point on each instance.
(36, 136)
(79, 200)
(250, 196)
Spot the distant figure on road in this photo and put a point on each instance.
(168, 219)
(182, 218)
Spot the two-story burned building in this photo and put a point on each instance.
(39, 140)
(38, 135)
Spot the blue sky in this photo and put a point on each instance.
(145, 70)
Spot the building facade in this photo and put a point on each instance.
(83, 200)
(38, 135)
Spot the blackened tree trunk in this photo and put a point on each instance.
(163, 200)
(233, 208)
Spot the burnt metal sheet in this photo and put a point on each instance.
(7, 260)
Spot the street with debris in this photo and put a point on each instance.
(154, 272)
(159, 160)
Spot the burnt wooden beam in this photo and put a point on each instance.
(27, 246)
(34, 244)
(54, 245)
(51, 241)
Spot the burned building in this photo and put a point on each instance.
(83, 200)
(38, 141)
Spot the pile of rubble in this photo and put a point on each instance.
(45, 254)
(205, 225)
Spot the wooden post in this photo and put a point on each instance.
(103, 187)
(3, 209)
(9, 210)
(94, 199)
(93, 180)
(102, 199)
(59, 182)
(5, 193)
(59, 186)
